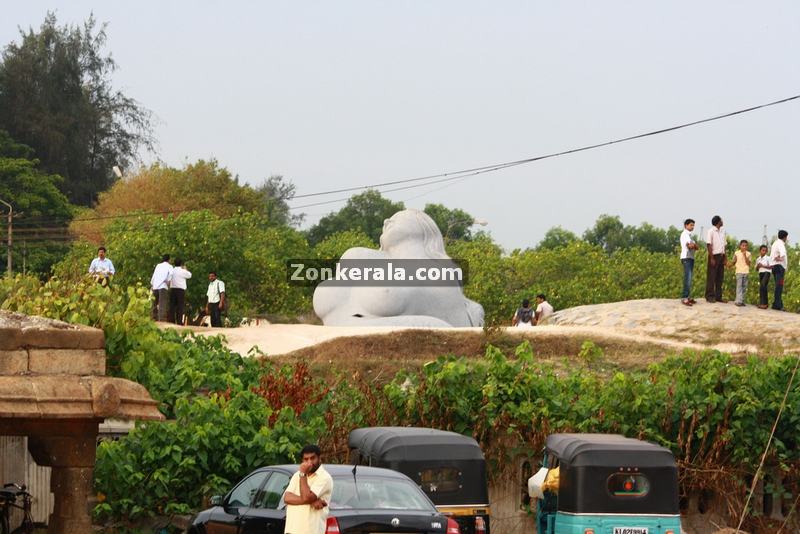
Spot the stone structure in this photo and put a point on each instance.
(407, 235)
(53, 390)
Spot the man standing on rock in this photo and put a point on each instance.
(688, 246)
(779, 266)
(715, 243)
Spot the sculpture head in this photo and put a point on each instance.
(413, 226)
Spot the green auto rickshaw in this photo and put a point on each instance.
(605, 484)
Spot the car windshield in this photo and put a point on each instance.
(378, 493)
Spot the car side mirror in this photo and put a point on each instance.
(216, 500)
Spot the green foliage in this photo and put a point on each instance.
(333, 246)
(611, 235)
(364, 212)
(167, 468)
(557, 237)
(56, 96)
(453, 223)
(34, 195)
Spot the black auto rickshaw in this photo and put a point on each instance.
(449, 467)
(605, 484)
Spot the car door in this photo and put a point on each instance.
(268, 513)
(226, 518)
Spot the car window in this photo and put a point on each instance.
(243, 494)
(270, 496)
(370, 493)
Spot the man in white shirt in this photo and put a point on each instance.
(764, 266)
(159, 283)
(102, 268)
(688, 246)
(543, 309)
(216, 299)
(177, 292)
(779, 265)
(715, 243)
(308, 494)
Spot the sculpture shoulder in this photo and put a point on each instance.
(363, 253)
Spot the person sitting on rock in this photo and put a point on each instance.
(523, 317)
(543, 309)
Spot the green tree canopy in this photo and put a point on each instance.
(557, 237)
(365, 211)
(453, 223)
(275, 192)
(36, 200)
(56, 96)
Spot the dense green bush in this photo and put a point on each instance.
(246, 250)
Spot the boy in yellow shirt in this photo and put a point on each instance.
(742, 260)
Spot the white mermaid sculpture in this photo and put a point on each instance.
(408, 235)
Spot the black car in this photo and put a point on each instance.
(365, 500)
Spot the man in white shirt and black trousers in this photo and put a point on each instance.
(779, 266)
(159, 283)
(177, 292)
(715, 242)
(216, 299)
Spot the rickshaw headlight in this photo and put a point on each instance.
(588, 531)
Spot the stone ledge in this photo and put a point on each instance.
(67, 361)
(13, 362)
(23, 331)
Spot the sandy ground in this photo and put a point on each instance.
(660, 322)
(277, 339)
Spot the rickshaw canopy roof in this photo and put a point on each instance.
(392, 443)
(607, 450)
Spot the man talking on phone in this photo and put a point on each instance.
(308, 494)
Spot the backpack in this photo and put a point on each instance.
(524, 315)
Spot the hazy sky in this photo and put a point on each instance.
(346, 93)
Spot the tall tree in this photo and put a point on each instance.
(365, 211)
(276, 191)
(453, 223)
(557, 237)
(56, 96)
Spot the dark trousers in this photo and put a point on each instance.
(213, 311)
(160, 308)
(714, 276)
(688, 271)
(777, 299)
(177, 305)
(763, 289)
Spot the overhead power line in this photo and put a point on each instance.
(444, 177)
(499, 166)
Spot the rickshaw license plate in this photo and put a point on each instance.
(630, 530)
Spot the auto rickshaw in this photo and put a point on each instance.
(605, 484)
(449, 467)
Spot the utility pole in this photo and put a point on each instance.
(10, 234)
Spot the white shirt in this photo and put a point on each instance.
(214, 289)
(103, 266)
(766, 261)
(779, 251)
(161, 276)
(716, 238)
(302, 518)
(179, 277)
(544, 309)
(686, 239)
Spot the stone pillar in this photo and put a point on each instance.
(72, 459)
(71, 487)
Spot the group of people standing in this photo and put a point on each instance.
(168, 284)
(770, 263)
